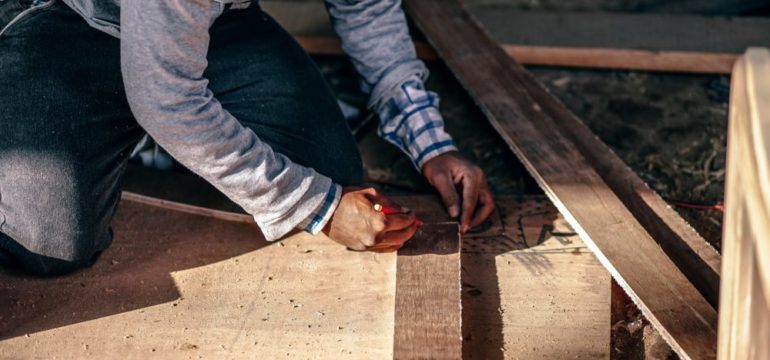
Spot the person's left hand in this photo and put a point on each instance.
(449, 170)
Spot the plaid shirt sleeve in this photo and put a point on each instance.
(410, 119)
(318, 218)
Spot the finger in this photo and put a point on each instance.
(446, 188)
(385, 250)
(396, 238)
(356, 247)
(487, 206)
(398, 221)
(470, 199)
(370, 193)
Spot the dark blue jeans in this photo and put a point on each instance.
(66, 129)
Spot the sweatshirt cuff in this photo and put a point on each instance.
(323, 213)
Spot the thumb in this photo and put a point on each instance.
(446, 188)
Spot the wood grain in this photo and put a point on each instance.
(532, 289)
(428, 305)
(187, 208)
(602, 58)
(528, 118)
(744, 318)
(179, 286)
(175, 285)
(593, 40)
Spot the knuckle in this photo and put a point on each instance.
(367, 241)
(378, 225)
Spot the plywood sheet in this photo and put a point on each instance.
(178, 286)
(182, 286)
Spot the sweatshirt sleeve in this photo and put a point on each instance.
(164, 44)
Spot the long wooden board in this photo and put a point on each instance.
(595, 44)
(527, 118)
(744, 317)
(639, 31)
(601, 58)
(428, 305)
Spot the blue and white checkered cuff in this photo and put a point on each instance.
(410, 119)
(323, 213)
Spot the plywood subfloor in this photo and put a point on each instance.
(175, 285)
(178, 286)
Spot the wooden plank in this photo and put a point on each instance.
(744, 318)
(532, 289)
(527, 118)
(428, 304)
(623, 59)
(309, 23)
(186, 208)
(695, 257)
(633, 31)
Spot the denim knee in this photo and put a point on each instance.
(42, 265)
(74, 251)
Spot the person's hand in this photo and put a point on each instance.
(449, 170)
(357, 225)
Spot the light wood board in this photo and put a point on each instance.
(551, 294)
(178, 286)
(175, 285)
(524, 114)
(428, 309)
(744, 319)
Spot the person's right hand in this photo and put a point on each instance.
(357, 225)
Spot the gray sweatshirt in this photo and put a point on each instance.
(163, 56)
